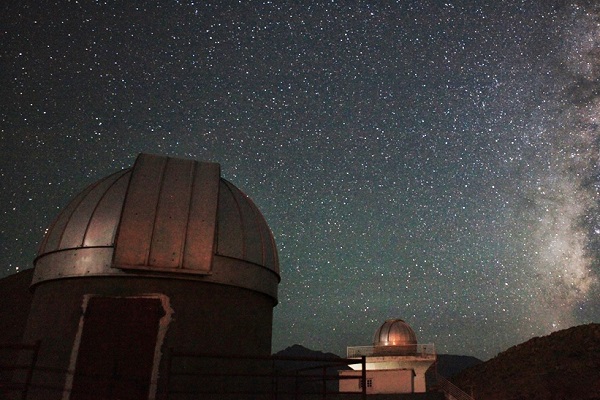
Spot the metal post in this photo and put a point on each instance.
(274, 381)
(29, 376)
(168, 367)
(324, 386)
(296, 385)
(363, 377)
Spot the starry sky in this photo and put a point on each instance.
(435, 161)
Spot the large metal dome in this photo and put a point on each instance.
(164, 217)
(394, 332)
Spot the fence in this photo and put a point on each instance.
(202, 375)
(189, 375)
(186, 375)
(17, 363)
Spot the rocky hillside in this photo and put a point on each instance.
(563, 365)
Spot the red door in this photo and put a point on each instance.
(116, 353)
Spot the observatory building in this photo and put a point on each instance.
(163, 255)
(395, 363)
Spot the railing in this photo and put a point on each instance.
(451, 390)
(418, 350)
(215, 376)
(49, 383)
(188, 375)
(192, 376)
(23, 367)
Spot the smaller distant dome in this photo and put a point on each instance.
(394, 332)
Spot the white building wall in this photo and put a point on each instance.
(380, 382)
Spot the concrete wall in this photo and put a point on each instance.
(14, 309)
(205, 318)
(15, 304)
(380, 382)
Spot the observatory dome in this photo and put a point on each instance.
(163, 217)
(394, 332)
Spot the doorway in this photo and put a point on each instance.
(115, 358)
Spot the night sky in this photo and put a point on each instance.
(435, 161)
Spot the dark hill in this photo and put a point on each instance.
(301, 351)
(563, 365)
(311, 365)
(449, 365)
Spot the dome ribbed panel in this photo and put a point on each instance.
(230, 232)
(134, 235)
(103, 224)
(91, 217)
(202, 224)
(269, 256)
(251, 235)
(172, 215)
(243, 232)
(54, 234)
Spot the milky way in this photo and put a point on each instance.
(564, 236)
(436, 161)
